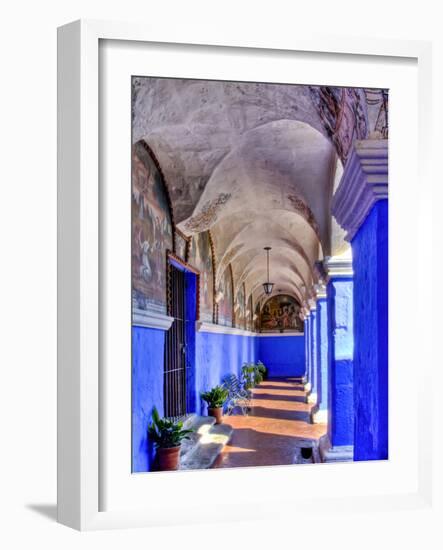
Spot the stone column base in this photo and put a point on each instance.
(311, 398)
(319, 416)
(339, 453)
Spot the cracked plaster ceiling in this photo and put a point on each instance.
(252, 164)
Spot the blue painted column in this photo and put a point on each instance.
(321, 414)
(308, 353)
(360, 206)
(370, 249)
(313, 393)
(340, 359)
(305, 330)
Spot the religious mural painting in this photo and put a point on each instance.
(181, 245)
(281, 313)
(200, 257)
(256, 317)
(240, 307)
(225, 303)
(151, 232)
(249, 314)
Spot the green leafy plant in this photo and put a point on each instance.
(216, 397)
(253, 374)
(247, 374)
(262, 370)
(166, 433)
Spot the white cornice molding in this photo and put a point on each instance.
(364, 182)
(151, 319)
(320, 291)
(203, 326)
(338, 266)
(278, 334)
(312, 304)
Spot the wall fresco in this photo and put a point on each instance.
(209, 213)
(249, 314)
(200, 257)
(256, 317)
(280, 313)
(181, 246)
(225, 304)
(343, 112)
(151, 232)
(240, 308)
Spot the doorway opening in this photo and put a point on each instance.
(179, 365)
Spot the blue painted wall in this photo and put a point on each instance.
(147, 390)
(210, 357)
(370, 253)
(218, 355)
(283, 356)
(340, 359)
(213, 356)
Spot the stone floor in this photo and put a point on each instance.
(275, 430)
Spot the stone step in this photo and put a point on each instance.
(201, 425)
(195, 422)
(205, 444)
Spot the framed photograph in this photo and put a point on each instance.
(232, 228)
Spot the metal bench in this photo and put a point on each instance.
(238, 396)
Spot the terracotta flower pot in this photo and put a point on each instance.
(168, 458)
(217, 413)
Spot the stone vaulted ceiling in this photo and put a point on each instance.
(255, 164)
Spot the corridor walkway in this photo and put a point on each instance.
(277, 426)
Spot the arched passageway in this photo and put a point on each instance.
(221, 172)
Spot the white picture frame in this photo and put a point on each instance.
(80, 367)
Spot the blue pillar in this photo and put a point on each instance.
(321, 415)
(360, 206)
(306, 328)
(340, 359)
(308, 353)
(313, 393)
(370, 252)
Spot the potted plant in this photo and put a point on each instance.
(216, 398)
(253, 374)
(167, 435)
(262, 372)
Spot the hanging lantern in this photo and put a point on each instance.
(268, 286)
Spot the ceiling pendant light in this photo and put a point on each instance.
(268, 286)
